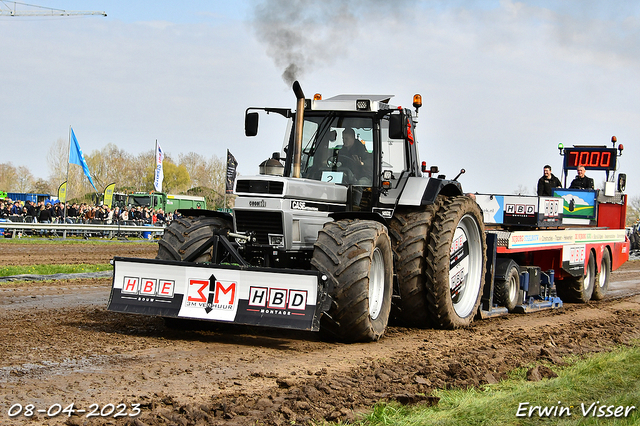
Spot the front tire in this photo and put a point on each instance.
(186, 234)
(356, 256)
(456, 263)
(601, 281)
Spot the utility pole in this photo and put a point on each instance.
(7, 10)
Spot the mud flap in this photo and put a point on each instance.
(293, 299)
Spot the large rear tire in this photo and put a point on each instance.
(186, 234)
(601, 281)
(356, 256)
(579, 289)
(409, 236)
(456, 263)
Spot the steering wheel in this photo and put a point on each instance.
(343, 162)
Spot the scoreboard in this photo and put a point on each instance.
(591, 158)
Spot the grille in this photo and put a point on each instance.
(260, 222)
(259, 187)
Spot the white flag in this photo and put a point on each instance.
(157, 182)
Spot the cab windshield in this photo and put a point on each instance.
(338, 149)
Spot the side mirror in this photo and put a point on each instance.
(397, 126)
(251, 124)
(622, 182)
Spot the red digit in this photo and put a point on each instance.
(573, 162)
(584, 159)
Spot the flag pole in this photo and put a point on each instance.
(155, 166)
(224, 203)
(66, 192)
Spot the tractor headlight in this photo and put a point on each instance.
(276, 240)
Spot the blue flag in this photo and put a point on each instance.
(76, 157)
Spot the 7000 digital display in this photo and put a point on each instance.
(591, 158)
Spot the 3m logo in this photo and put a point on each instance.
(277, 298)
(211, 293)
(148, 286)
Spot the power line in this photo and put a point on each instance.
(7, 10)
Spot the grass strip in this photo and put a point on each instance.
(586, 393)
(6, 271)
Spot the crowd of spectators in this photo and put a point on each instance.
(48, 212)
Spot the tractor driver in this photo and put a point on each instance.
(581, 181)
(359, 160)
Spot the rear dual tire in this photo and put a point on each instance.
(579, 289)
(456, 262)
(410, 233)
(602, 278)
(507, 292)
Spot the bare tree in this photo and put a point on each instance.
(633, 210)
(58, 160)
(24, 180)
(207, 177)
(41, 186)
(111, 164)
(521, 190)
(8, 177)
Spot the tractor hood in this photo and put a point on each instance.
(285, 187)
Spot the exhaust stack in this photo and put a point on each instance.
(297, 146)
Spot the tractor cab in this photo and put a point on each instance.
(356, 141)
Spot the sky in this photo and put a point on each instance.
(502, 82)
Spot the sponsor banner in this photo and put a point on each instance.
(62, 192)
(159, 172)
(573, 258)
(108, 194)
(208, 293)
(232, 165)
(574, 254)
(507, 209)
(550, 211)
(546, 238)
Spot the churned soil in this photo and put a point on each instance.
(61, 346)
(82, 252)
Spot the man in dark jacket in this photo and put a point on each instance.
(581, 181)
(16, 209)
(31, 210)
(548, 182)
(358, 160)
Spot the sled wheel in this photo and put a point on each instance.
(601, 281)
(356, 256)
(579, 289)
(456, 263)
(186, 234)
(507, 292)
(409, 235)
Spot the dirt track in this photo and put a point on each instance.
(77, 352)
